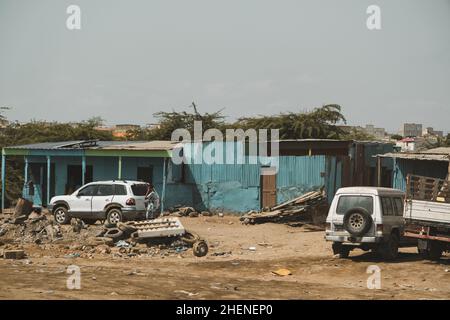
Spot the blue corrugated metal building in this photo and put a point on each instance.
(303, 165)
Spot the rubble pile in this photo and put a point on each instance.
(183, 211)
(36, 228)
(306, 208)
(79, 239)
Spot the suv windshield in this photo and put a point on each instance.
(139, 189)
(349, 202)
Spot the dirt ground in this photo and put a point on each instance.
(239, 265)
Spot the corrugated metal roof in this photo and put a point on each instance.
(143, 145)
(108, 145)
(440, 150)
(416, 156)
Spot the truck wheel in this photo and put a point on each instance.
(61, 215)
(114, 216)
(389, 249)
(357, 221)
(435, 251)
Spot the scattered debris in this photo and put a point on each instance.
(23, 208)
(294, 209)
(221, 253)
(190, 294)
(282, 272)
(13, 254)
(122, 244)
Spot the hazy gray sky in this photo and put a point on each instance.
(133, 58)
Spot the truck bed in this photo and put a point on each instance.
(427, 211)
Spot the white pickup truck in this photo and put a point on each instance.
(427, 214)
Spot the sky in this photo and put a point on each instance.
(133, 58)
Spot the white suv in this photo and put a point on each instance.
(112, 201)
(368, 218)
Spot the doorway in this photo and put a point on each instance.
(145, 174)
(268, 187)
(74, 180)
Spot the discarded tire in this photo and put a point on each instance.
(357, 221)
(200, 248)
(190, 238)
(113, 233)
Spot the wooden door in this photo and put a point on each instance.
(268, 189)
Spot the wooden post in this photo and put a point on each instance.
(26, 169)
(48, 179)
(448, 171)
(163, 193)
(119, 174)
(378, 171)
(3, 180)
(83, 170)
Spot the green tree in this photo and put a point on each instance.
(41, 131)
(170, 121)
(320, 123)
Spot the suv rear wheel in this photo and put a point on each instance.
(389, 249)
(341, 250)
(61, 215)
(114, 216)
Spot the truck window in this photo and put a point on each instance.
(349, 202)
(386, 205)
(398, 204)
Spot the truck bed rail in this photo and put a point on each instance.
(427, 189)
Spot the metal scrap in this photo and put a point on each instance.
(289, 210)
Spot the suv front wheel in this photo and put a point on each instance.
(114, 216)
(389, 249)
(61, 215)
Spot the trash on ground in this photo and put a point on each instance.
(304, 206)
(13, 254)
(282, 272)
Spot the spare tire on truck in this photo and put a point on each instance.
(357, 221)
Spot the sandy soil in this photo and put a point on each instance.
(230, 271)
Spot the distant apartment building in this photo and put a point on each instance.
(369, 129)
(412, 130)
(429, 131)
(378, 133)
